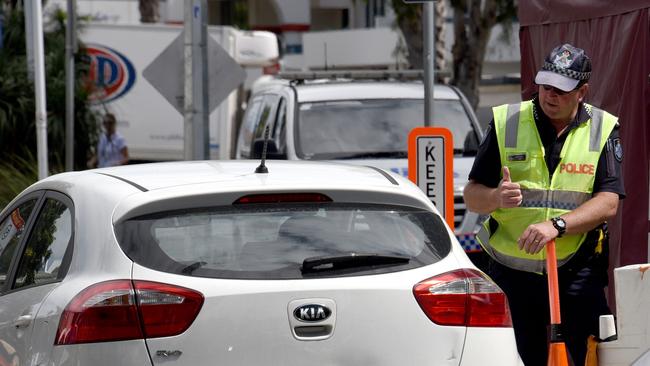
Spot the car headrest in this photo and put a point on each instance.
(304, 227)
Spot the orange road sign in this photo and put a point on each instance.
(431, 158)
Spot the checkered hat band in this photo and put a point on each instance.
(576, 75)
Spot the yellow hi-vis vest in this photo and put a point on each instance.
(571, 185)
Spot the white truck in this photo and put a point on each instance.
(136, 73)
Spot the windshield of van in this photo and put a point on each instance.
(375, 128)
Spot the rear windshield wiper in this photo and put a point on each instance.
(188, 270)
(375, 154)
(351, 260)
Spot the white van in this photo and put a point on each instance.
(360, 118)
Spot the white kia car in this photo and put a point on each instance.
(204, 263)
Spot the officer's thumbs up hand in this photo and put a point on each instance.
(508, 194)
(506, 174)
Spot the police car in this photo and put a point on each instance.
(359, 117)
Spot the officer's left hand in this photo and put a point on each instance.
(535, 237)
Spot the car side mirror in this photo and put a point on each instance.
(272, 150)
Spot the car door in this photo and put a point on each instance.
(13, 226)
(41, 255)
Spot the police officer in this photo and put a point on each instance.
(550, 168)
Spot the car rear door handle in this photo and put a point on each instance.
(23, 321)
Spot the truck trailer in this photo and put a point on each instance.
(136, 73)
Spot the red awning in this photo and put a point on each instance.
(537, 12)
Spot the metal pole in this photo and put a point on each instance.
(188, 136)
(196, 117)
(200, 75)
(429, 60)
(39, 90)
(29, 37)
(70, 49)
(2, 21)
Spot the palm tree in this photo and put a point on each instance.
(473, 22)
(409, 20)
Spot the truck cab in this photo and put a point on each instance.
(359, 117)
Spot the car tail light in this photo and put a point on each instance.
(122, 310)
(283, 197)
(465, 297)
(166, 310)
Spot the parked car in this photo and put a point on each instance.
(190, 263)
(360, 117)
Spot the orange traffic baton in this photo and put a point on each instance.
(557, 352)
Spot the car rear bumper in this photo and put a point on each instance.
(123, 353)
(490, 347)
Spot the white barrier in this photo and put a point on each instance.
(632, 319)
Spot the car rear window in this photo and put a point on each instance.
(285, 241)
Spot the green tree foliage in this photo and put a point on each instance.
(16, 174)
(17, 100)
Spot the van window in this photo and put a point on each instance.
(280, 127)
(266, 116)
(373, 127)
(247, 129)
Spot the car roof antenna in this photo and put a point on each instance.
(262, 168)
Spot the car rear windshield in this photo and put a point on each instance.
(286, 241)
(347, 128)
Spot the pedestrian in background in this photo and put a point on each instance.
(111, 148)
(550, 169)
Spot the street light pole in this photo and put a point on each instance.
(29, 38)
(429, 60)
(197, 133)
(70, 50)
(39, 90)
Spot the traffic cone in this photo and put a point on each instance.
(557, 352)
(558, 355)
